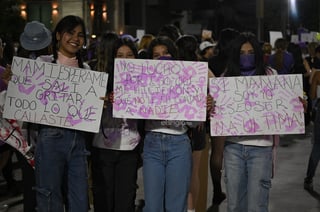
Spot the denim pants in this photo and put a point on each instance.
(61, 171)
(114, 179)
(248, 171)
(167, 162)
(315, 152)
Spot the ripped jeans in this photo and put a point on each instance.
(248, 171)
(61, 171)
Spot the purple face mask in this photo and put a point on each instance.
(165, 58)
(247, 64)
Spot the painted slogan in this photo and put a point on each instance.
(56, 95)
(257, 105)
(160, 89)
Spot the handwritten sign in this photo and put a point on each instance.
(160, 89)
(257, 105)
(56, 95)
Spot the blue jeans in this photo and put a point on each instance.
(248, 171)
(167, 162)
(61, 171)
(315, 152)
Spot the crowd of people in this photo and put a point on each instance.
(169, 154)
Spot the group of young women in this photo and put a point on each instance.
(61, 154)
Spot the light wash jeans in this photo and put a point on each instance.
(61, 171)
(167, 162)
(248, 171)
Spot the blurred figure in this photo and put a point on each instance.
(267, 51)
(6, 151)
(218, 65)
(105, 56)
(170, 31)
(187, 48)
(35, 40)
(143, 46)
(315, 152)
(281, 60)
(206, 50)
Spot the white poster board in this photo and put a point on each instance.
(55, 95)
(306, 37)
(257, 105)
(140, 33)
(295, 39)
(160, 89)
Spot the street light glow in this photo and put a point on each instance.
(293, 7)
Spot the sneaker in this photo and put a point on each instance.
(308, 185)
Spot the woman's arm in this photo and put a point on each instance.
(314, 84)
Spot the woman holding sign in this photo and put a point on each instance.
(115, 151)
(167, 153)
(61, 155)
(247, 159)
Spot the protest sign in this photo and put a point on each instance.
(54, 94)
(160, 89)
(257, 105)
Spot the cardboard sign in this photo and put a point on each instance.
(257, 105)
(160, 89)
(274, 35)
(55, 95)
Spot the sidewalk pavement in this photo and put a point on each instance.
(287, 193)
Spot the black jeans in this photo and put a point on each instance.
(315, 152)
(114, 179)
(29, 181)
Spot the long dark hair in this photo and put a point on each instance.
(105, 51)
(118, 43)
(233, 65)
(166, 41)
(187, 47)
(67, 24)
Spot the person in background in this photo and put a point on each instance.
(248, 160)
(281, 60)
(104, 52)
(187, 50)
(311, 63)
(218, 65)
(8, 52)
(171, 31)
(267, 51)
(315, 152)
(206, 50)
(61, 155)
(115, 152)
(35, 40)
(7, 151)
(300, 67)
(143, 46)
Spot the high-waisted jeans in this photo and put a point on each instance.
(248, 171)
(61, 171)
(167, 162)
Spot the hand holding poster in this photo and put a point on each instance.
(257, 105)
(54, 94)
(160, 89)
